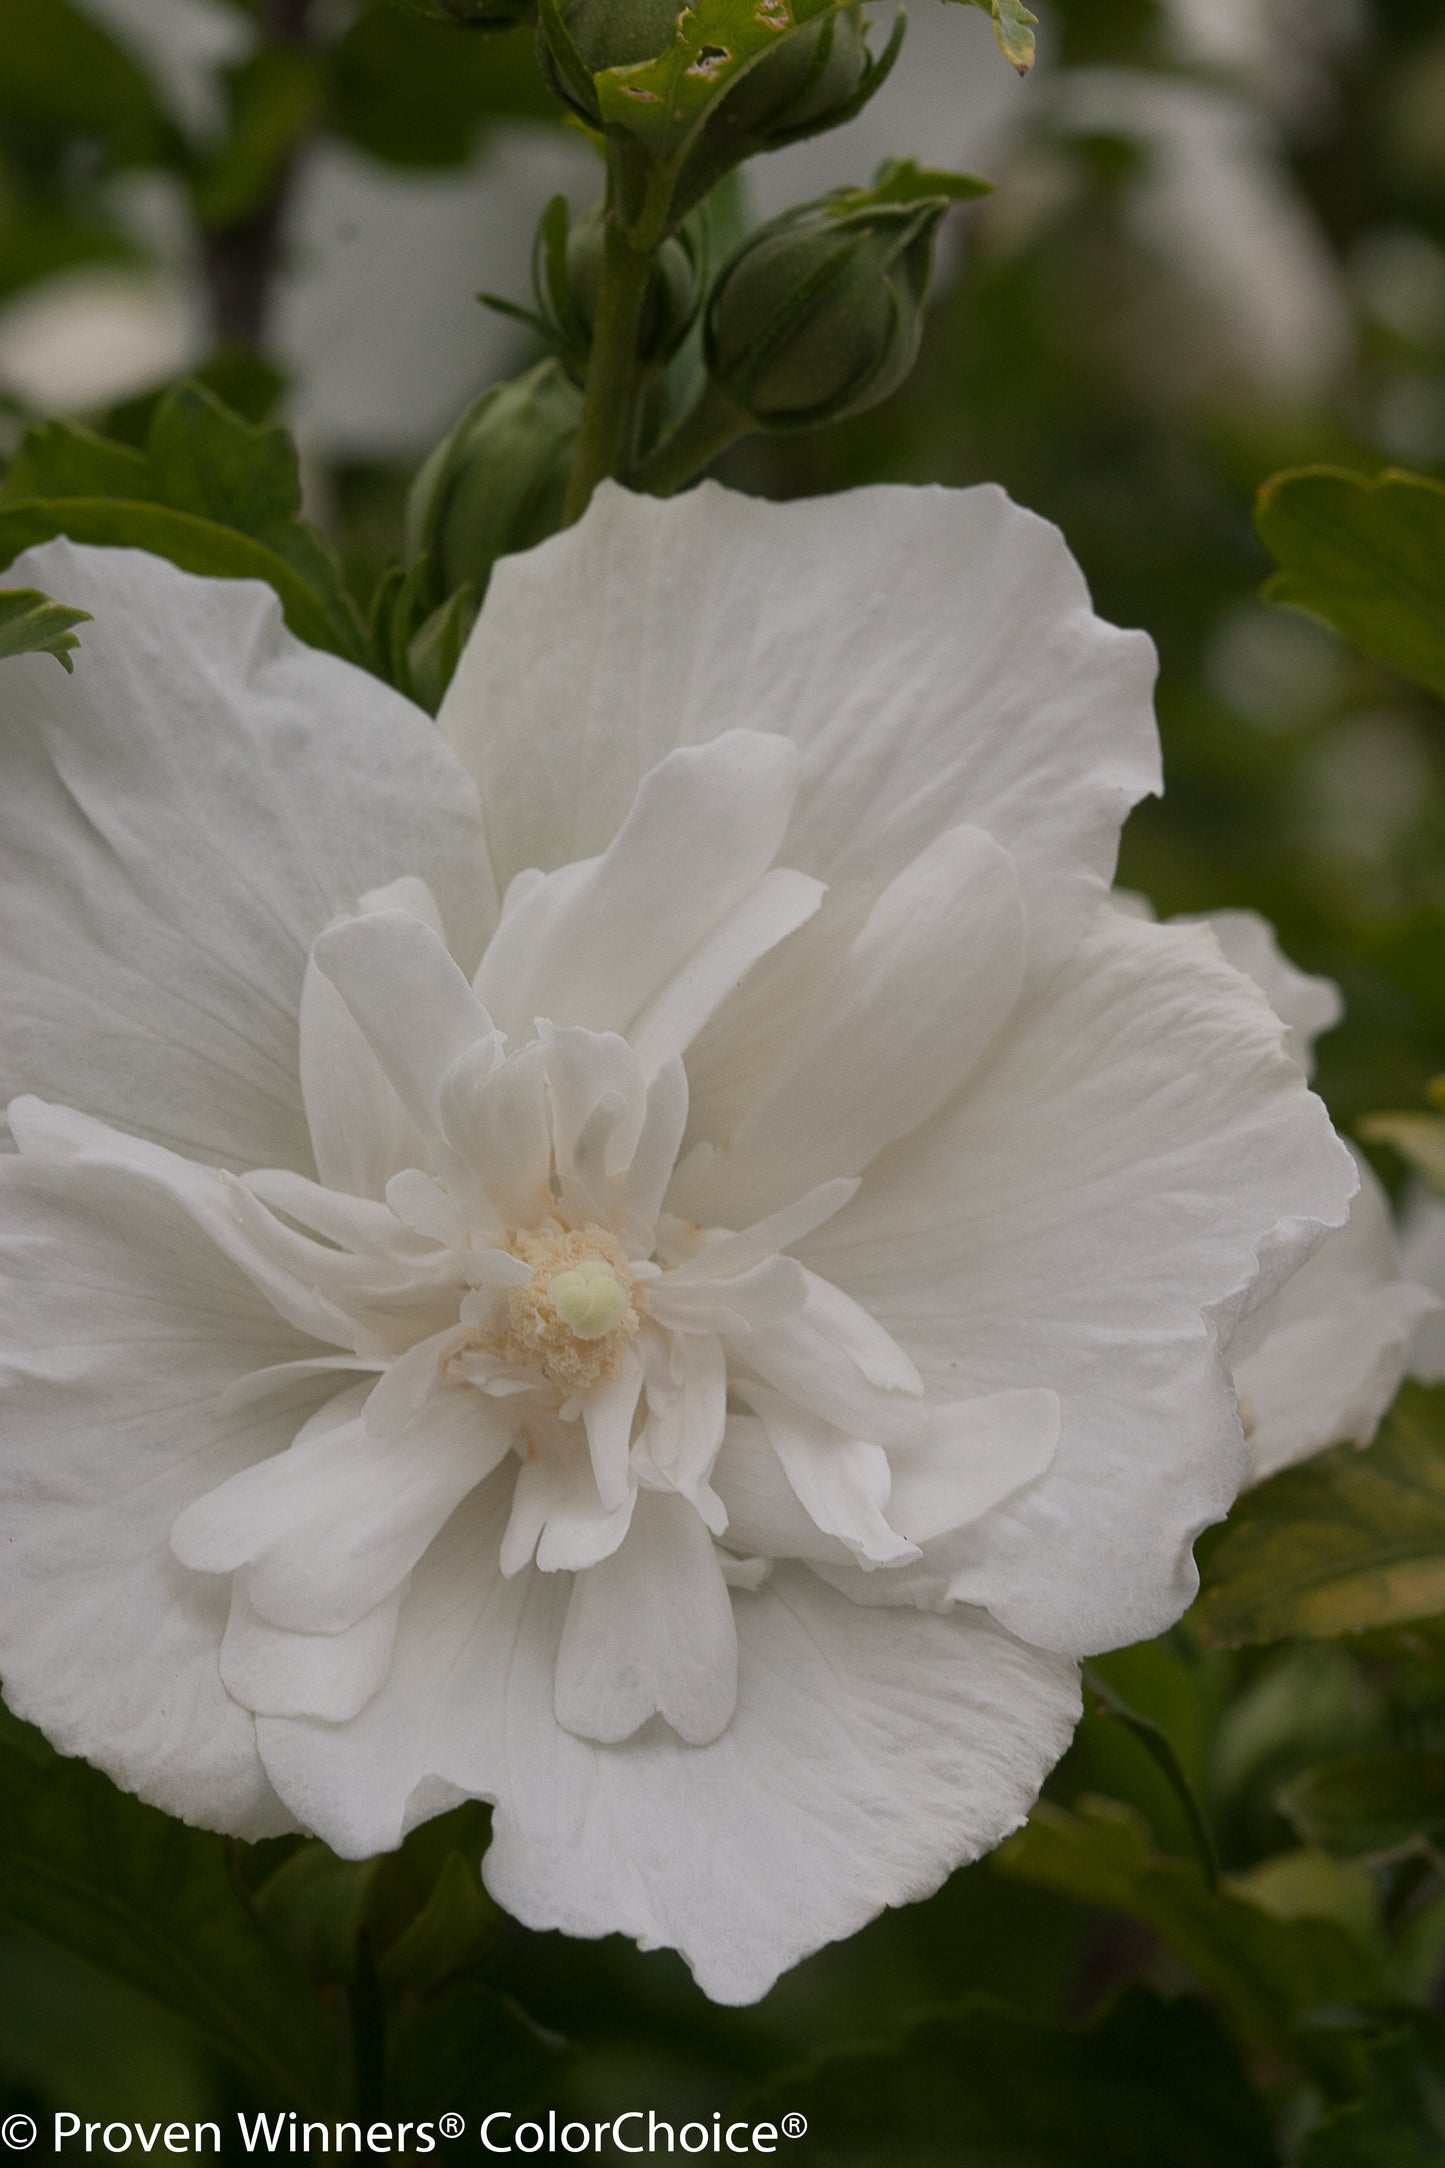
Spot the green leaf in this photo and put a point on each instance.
(665, 101)
(31, 624)
(1367, 556)
(196, 545)
(1014, 27)
(61, 73)
(454, 1925)
(211, 491)
(1267, 1970)
(1400, 2121)
(1347, 1542)
(470, 2047)
(1149, 2084)
(1362, 1804)
(1160, 1749)
(151, 1902)
(420, 94)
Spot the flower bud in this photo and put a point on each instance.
(497, 483)
(567, 276)
(820, 313)
(818, 76)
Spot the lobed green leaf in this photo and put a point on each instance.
(31, 624)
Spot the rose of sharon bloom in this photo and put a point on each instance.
(662, 1262)
(1319, 1363)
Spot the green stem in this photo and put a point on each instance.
(608, 428)
(706, 429)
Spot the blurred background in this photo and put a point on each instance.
(1216, 247)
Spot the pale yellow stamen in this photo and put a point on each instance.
(578, 1311)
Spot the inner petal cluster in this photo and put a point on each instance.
(579, 1310)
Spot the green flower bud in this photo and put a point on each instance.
(567, 276)
(497, 483)
(819, 75)
(820, 313)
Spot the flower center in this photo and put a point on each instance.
(578, 1311)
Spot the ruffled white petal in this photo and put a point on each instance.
(325, 1531)
(180, 819)
(870, 1753)
(932, 652)
(122, 1324)
(911, 1009)
(1087, 1218)
(1319, 1363)
(595, 941)
(276, 1671)
(650, 1632)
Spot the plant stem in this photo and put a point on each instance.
(708, 428)
(240, 261)
(608, 427)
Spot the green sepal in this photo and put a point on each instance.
(31, 624)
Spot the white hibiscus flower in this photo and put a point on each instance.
(1319, 1363)
(713, 1338)
(1422, 1241)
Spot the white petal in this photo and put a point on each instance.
(607, 1412)
(557, 1516)
(723, 1255)
(870, 1753)
(976, 1454)
(409, 999)
(650, 1632)
(687, 1387)
(1087, 1219)
(218, 1205)
(1319, 1363)
(1423, 1251)
(497, 1125)
(842, 1483)
(833, 1358)
(277, 1672)
(781, 903)
(748, 1302)
(328, 1529)
(912, 1009)
(360, 1132)
(933, 653)
(180, 819)
(122, 1325)
(595, 941)
(1306, 1005)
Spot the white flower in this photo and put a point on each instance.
(698, 1368)
(1319, 1362)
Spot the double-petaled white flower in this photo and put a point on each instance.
(662, 1262)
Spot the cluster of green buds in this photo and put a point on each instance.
(680, 98)
(813, 317)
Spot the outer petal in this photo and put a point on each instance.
(870, 1754)
(1319, 1363)
(121, 1325)
(1087, 1218)
(180, 819)
(932, 652)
